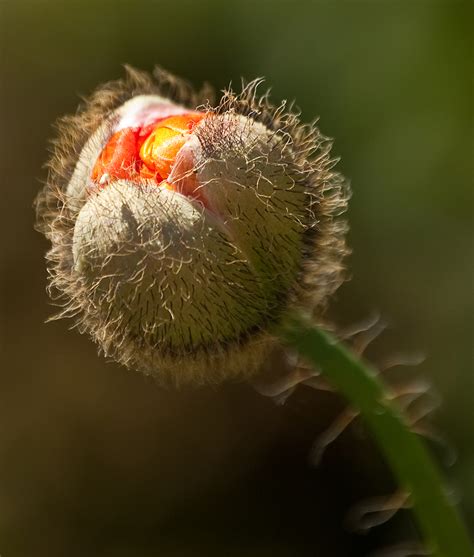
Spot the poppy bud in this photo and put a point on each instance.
(182, 232)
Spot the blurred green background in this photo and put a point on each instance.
(95, 460)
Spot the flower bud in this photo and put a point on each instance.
(182, 233)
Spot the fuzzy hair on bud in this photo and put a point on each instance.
(184, 277)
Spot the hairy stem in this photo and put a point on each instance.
(441, 527)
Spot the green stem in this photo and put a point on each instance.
(442, 528)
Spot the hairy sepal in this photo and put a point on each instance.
(161, 280)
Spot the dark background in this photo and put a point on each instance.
(95, 460)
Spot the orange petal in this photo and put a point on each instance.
(118, 158)
(183, 123)
(159, 150)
